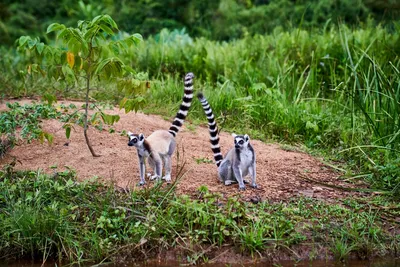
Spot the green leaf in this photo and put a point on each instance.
(74, 40)
(101, 65)
(22, 40)
(31, 43)
(107, 29)
(68, 73)
(67, 128)
(49, 98)
(63, 57)
(122, 103)
(130, 104)
(55, 27)
(111, 66)
(97, 18)
(114, 48)
(78, 63)
(110, 119)
(49, 138)
(137, 38)
(81, 23)
(90, 33)
(40, 47)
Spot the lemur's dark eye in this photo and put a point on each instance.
(134, 140)
(241, 142)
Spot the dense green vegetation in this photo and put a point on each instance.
(217, 20)
(55, 216)
(323, 75)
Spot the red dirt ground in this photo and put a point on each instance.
(280, 173)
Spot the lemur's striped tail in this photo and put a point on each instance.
(212, 128)
(184, 108)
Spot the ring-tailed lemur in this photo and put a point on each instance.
(239, 161)
(160, 145)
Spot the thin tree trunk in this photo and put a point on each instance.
(85, 128)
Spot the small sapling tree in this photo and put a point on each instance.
(83, 55)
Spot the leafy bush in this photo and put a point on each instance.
(87, 53)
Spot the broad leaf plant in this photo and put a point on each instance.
(81, 55)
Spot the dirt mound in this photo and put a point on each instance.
(280, 173)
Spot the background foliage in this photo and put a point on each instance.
(218, 20)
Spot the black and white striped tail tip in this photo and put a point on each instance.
(189, 76)
(189, 81)
(212, 128)
(185, 105)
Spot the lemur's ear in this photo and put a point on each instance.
(141, 137)
(130, 133)
(246, 137)
(234, 135)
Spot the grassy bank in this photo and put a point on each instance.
(56, 217)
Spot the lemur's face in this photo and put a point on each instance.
(241, 141)
(135, 140)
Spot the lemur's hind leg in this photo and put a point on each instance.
(152, 168)
(225, 172)
(156, 163)
(168, 167)
(168, 161)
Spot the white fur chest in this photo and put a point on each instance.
(246, 158)
(143, 152)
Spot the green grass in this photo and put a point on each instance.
(56, 217)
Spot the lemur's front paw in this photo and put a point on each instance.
(242, 188)
(141, 183)
(154, 177)
(167, 178)
(255, 186)
(228, 182)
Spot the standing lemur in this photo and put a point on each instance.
(239, 161)
(160, 145)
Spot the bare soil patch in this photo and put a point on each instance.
(280, 173)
